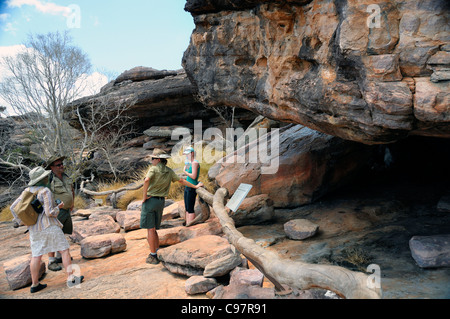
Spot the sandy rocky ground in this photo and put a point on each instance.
(375, 225)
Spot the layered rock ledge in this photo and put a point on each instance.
(368, 72)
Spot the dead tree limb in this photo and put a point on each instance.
(295, 274)
(112, 191)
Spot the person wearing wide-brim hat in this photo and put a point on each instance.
(62, 188)
(156, 187)
(46, 235)
(53, 159)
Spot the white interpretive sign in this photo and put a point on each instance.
(238, 196)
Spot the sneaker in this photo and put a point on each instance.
(152, 260)
(37, 288)
(54, 266)
(75, 281)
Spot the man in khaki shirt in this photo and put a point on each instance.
(156, 188)
(61, 186)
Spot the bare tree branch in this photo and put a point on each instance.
(294, 274)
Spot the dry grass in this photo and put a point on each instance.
(358, 257)
(6, 215)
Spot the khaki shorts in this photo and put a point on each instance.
(151, 213)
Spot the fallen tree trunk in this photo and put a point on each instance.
(295, 274)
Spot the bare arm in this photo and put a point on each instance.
(144, 189)
(186, 183)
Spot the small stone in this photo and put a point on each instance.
(199, 285)
(299, 229)
(431, 251)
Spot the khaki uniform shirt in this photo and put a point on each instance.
(62, 190)
(160, 178)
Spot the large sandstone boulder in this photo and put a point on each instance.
(102, 245)
(175, 235)
(308, 165)
(18, 272)
(372, 72)
(94, 226)
(431, 251)
(129, 219)
(192, 256)
(253, 210)
(155, 98)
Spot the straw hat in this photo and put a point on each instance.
(53, 159)
(158, 153)
(37, 174)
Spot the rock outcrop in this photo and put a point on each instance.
(373, 72)
(307, 165)
(154, 97)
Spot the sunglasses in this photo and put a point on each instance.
(59, 165)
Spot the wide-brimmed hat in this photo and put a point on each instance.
(188, 150)
(37, 174)
(158, 153)
(53, 159)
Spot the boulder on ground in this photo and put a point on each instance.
(191, 257)
(199, 285)
(431, 251)
(303, 166)
(18, 272)
(94, 226)
(129, 219)
(175, 235)
(242, 276)
(253, 210)
(299, 229)
(102, 245)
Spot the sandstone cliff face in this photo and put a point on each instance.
(156, 97)
(368, 71)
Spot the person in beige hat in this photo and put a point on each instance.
(46, 235)
(156, 188)
(61, 186)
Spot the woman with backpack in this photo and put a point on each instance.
(46, 234)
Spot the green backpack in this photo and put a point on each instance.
(29, 208)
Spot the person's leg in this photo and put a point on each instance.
(153, 240)
(53, 262)
(72, 279)
(35, 264)
(190, 195)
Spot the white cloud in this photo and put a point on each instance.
(4, 16)
(44, 7)
(93, 83)
(9, 27)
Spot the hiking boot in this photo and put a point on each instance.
(54, 266)
(37, 288)
(75, 281)
(152, 260)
